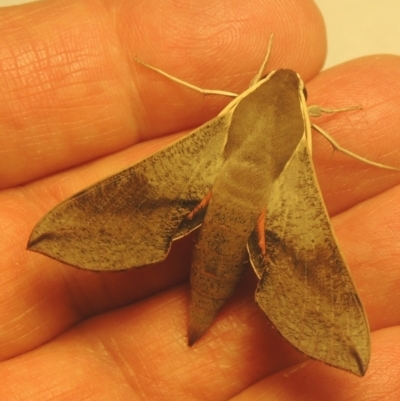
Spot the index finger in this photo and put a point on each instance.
(73, 92)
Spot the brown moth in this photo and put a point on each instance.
(247, 178)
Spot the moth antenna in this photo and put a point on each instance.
(187, 84)
(264, 63)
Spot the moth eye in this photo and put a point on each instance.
(305, 93)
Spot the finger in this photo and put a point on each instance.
(312, 381)
(368, 236)
(75, 92)
(364, 199)
(372, 82)
(140, 352)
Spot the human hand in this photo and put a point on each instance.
(77, 108)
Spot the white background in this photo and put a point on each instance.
(355, 27)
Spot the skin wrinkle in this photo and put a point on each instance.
(39, 62)
(63, 69)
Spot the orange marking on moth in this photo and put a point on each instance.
(204, 202)
(261, 231)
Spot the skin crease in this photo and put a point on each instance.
(71, 94)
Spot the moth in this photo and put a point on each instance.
(247, 178)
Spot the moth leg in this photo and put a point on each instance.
(317, 111)
(261, 232)
(202, 205)
(337, 147)
(187, 84)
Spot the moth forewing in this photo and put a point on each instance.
(305, 286)
(129, 219)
